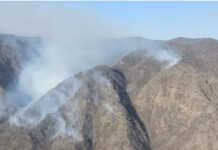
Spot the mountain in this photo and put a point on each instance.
(138, 69)
(200, 53)
(15, 51)
(140, 102)
(179, 108)
(100, 115)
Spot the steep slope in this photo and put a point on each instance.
(100, 115)
(179, 107)
(138, 68)
(179, 103)
(201, 53)
(135, 104)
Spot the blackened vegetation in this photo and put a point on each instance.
(138, 134)
(39, 141)
(87, 130)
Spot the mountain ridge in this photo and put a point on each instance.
(134, 104)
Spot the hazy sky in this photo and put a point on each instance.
(162, 20)
(154, 20)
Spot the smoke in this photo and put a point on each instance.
(67, 121)
(37, 110)
(73, 41)
(158, 51)
(47, 107)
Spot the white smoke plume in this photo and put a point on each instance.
(158, 51)
(37, 110)
(73, 41)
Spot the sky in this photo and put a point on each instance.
(161, 20)
(153, 20)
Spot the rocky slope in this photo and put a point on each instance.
(138, 68)
(200, 53)
(135, 104)
(100, 115)
(179, 107)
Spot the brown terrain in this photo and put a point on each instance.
(134, 104)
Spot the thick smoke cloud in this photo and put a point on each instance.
(73, 41)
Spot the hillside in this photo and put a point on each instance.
(15, 52)
(137, 103)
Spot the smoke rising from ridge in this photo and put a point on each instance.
(74, 41)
